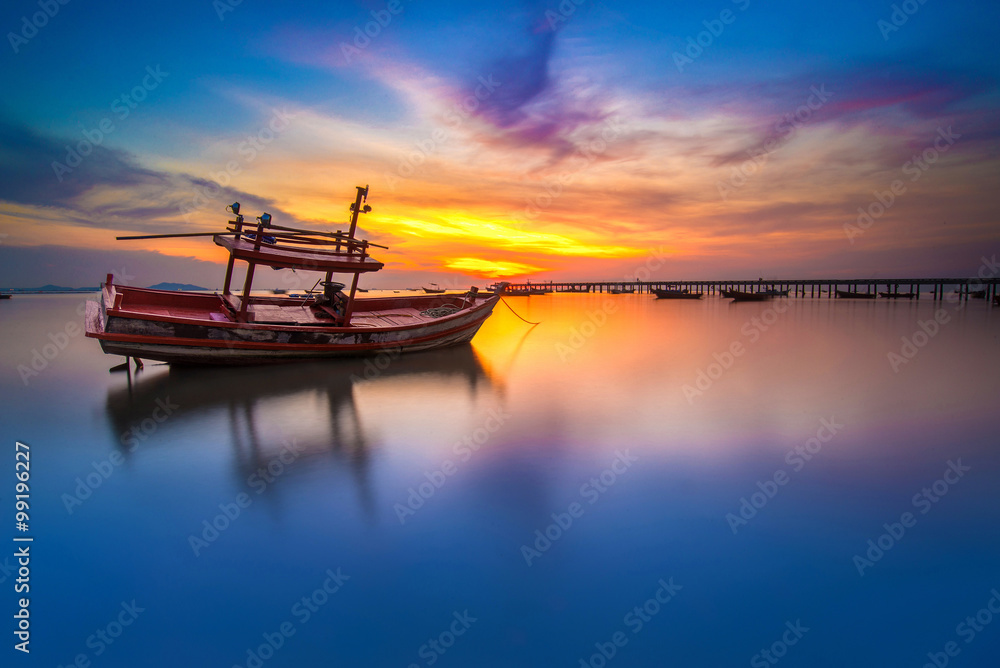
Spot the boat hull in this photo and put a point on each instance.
(844, 294)
(738, 296)
(676, 294)
(181, 340)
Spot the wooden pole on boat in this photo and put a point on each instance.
(232, 257)
(356, 209)
(251, 265)
(350, 300)
(170, 236)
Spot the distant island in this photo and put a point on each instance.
(51, 288)
(186, 287)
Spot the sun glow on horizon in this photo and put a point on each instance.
(491, 268)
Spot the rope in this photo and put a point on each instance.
(440, 311)
(516, 313)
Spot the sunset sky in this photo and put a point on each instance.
(532, 140)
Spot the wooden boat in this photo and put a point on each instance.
(677, 294)
(435, 290)
(4, 296)
(739, 296)
(622, 291)
(974, 294)
(898, 295)
(844, 294)
(203, 328)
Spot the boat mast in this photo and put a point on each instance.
(356, 209)
(238, 223)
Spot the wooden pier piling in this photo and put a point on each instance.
(939, 288)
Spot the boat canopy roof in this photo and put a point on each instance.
(348, 256)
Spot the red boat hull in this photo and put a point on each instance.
(193, 328)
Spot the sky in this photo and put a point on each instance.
(542, 140)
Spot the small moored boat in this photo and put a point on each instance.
(739, 296)
(204, 328)
(676, 294)
(846, 294)
(897, 295)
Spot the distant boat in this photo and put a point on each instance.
(844, 294)
(4, 296)
(898, 295)
(677, 294)
(975, 294)
(738, 296)
(435, 290)
(622, 291)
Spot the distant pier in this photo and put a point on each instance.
(962, 288)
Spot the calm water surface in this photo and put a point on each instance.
(524, 501)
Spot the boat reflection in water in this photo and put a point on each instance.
(285, 419)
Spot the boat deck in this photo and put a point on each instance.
(377, 312)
